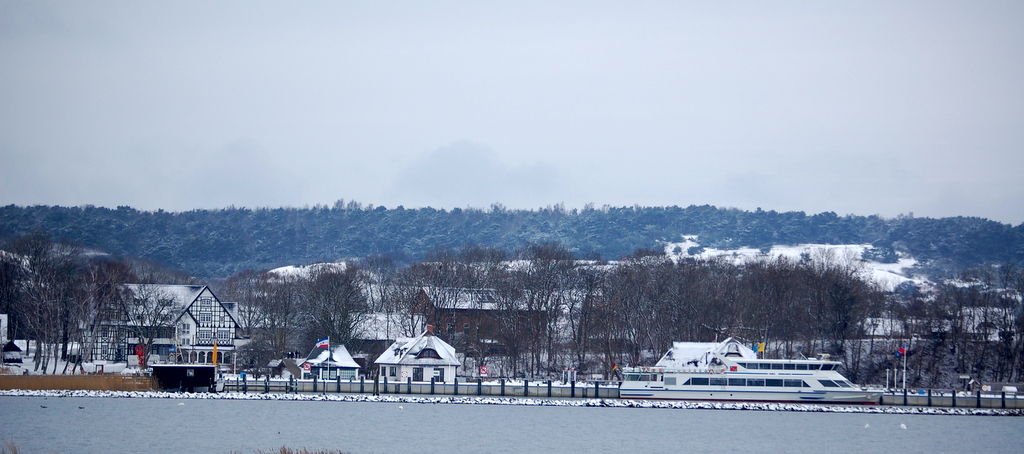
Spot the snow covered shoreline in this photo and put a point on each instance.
(618, 403)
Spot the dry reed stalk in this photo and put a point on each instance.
(99, 382)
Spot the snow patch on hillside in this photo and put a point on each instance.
(889, 275)
(307, 270)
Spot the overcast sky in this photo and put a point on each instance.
(854, 107)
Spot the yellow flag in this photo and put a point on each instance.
(760, 347)
(214, 356)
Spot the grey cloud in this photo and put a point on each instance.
(466, 174)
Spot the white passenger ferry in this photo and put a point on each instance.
(730, 371)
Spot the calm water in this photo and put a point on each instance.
(225, 426)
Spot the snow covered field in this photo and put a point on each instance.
(814, 408)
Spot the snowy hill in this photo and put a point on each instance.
(889, 275)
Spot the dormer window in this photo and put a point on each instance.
(428, 353)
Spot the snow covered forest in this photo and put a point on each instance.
(220, 243)
(551, 309)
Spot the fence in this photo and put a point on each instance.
(948, 398)
(457, 388)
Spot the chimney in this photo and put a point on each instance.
(430, 329)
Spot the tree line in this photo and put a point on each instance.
(550, 309)
(220, 243)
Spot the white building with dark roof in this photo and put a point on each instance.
(420, 358)
(330, 363)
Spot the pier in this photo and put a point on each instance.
(583, 390)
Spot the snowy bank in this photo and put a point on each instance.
(617, 403)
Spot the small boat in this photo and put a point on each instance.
(731, 371)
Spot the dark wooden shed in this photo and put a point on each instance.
(186, 377)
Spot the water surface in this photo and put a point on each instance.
(223, 426)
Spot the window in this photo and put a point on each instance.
(184, 341)
(793, 383)
(698, 381)
(801, 367)
(223, 334)
(465, 328)
(428, 353)
(205, 335)
(205, 317)
(790, 366)
(755, 382)
(393, 371)
(632, 377)
(737, 382)
(772, 382)
(451, 328)
(417, 374)
(439, 373)
(777, 366)
(383, 370)
(185, 328)
(718, 381)
(828, 383)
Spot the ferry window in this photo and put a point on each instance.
(645, 377)
(812, 367)
(766, 365)
(843, 384)
(828, 367)
(755, 382)
(793, 383)
(772, 382)
(743, 365)
(801, 367)
(670, 381)
(632, 377)
(698, 381)
(828, 383)
(777, 366)
(790, 366)
(718, 381)
(737, 382)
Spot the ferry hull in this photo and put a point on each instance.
(855, 398)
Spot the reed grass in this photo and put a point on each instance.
(98, 382)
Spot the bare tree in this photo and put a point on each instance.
(151, 313)
(334, 304)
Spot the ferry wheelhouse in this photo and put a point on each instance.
(731, 371)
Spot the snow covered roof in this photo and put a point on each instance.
(10, 346)
(384, 326)
(700, 354)
(338, 357)
(425, 350)
(181, 295)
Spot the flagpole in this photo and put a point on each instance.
(904, 369)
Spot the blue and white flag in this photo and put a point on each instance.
(325, 342)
